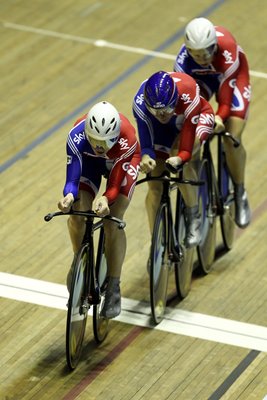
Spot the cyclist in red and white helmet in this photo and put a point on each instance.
(102, 143)
(211, 55)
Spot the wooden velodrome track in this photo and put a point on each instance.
(57, 59)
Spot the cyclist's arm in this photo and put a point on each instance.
(145, 130)
(73, 173)
(119, 171)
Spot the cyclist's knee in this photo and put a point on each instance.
(76, 223)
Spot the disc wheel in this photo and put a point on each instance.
(77, 311)
(227, 219)
(184, 266)
(100, 324)
(207, 246)
(159, 265)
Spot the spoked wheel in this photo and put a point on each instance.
(159, 265)
(184, 265)
(227, 218)
(100, 324)
(77, 310)
(207, 247)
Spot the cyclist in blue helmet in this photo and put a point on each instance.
(172, 121)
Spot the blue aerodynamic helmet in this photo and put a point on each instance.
(160, 91)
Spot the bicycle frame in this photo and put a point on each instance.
(166, 247)
(87, 287)
(217, 200)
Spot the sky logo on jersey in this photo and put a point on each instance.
(182, 57)
(78, 138)
(140, 99)
(228, 57)
(123, 144)
(186, 98)
(247, 92)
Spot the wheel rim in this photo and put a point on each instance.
(159, 267)
(100, 324)
(77, 313)
(207, 247)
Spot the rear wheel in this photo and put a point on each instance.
(100, 324)
(159, 265)
(207, 246)
(184, 264)
(78, 307)
(227, 219)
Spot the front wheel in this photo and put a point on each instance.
(159, 265)
(78, 307)
(227, 219)
(207, 205)
(184, 264)
(100, 324)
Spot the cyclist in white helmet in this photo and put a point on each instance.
(211, 55)
(101, 143)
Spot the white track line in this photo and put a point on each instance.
(104, 43)
(176, 321)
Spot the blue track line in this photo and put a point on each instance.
(40, 139)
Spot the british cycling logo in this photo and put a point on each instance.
(195, 119)
(78, 137)
(228, 57)
(123, 144)
(206, 119)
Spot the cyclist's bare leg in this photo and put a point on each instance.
(236, 162)
(115, 249)
(76, 224)
(115, 239)
(235, 156)
(190, 171)
(154, 193)
(190, 196)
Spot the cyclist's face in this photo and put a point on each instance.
(99, 147)
(203, 57)
(163, 115)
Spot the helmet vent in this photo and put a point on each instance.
(103, 121)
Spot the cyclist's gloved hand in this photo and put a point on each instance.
(101, 206)
(173, 163)
(65, 204)
(147, 164)
(218, 125)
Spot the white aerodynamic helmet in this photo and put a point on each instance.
(102, 126)
(199, 34)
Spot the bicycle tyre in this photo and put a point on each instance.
(159, 265)
(100, 324)
(77, 310)
(227, 219)
(184, 266)
(207, 247)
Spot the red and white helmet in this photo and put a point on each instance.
(199, 34)
(102, 126)
(201, 40)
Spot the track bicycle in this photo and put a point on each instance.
(216, 198)
(88, 285)
(168, 244)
